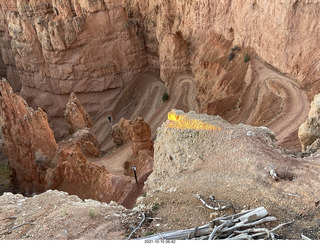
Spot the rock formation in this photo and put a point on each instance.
(137, 130)
(39, 163)
(52, 48)
(52, 216)
(140, 134)
(309, 131)
(121, 132)
(197, 153)
(76, 116)
(79, 125)
(28, 140)
(66, 46)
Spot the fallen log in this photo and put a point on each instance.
(227, 227)
(180, 234)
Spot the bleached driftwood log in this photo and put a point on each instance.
(223, 227)
(180, 234)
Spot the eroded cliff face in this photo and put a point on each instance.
(275, 30)
(98, 47)
(28, 140)
(39, 163)
(67, 46)
(8, 67)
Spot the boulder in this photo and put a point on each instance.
(137, 130)
(309, 131)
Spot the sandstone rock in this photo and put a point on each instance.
(87, 141)
(60, 47)
(52, 214)
(75, 175)
(40, 164)
(76, 116)
(28, 140)
(309, 131)
(121, 132)
(140, 133)
(230, 161)
(136, 130)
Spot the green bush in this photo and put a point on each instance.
(165, 96)
(5, 177)
(155, 206)
(246, 58)
(235, 48)
(92, 213)
(231, 56)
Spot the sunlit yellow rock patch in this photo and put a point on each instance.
(182, 121)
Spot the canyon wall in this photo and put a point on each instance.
(95, 48)
(61, 47)
(283, 33)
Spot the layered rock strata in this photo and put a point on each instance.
(59, 47)
(137, 132)
(66, 46)
(52, 216)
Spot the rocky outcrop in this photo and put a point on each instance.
(8, 69)
(52, 216)
(185, 30)
(309, 131)
(87, 47)
(79, 125)
(76, 116)
(76, 175)
(28, 140)
(197, 153)
(140, 133)
(39, 163)
(137, 130)
(121, 132)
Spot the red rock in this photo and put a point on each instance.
(76, 116)
(136, 130)
(40, 164)
(121, 132)
(28, 140)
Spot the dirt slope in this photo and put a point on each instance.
(273, 100)
(143, 97)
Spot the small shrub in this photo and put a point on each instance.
(246, 58)
(231, 56)
(235, 48)
(92, 213)
(155, 206)
(165, 96)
